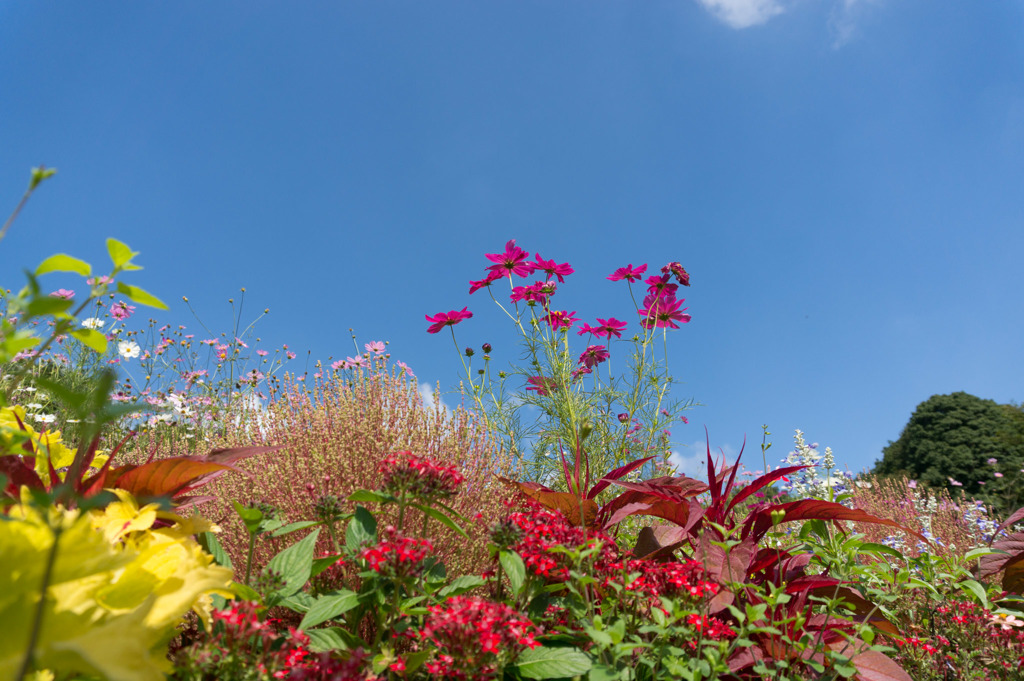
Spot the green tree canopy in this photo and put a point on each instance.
(955, 436)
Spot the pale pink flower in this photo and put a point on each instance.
(63, 293)
(376, 347)
(261, 353)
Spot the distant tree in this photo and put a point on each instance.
(956, 436)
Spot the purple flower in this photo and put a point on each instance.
(594, 355)
(993, 462)
(551, 269)
(511, 261)
(678, 272)
(628, 273)
(443, 319)
(662, 311)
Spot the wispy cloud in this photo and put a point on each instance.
(743, 13)
(432, 397)
(846, 17)
(692, 462)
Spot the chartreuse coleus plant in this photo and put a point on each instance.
(745, 554)
(399, 610)
(140, 578)
(98, 591)
(575, 390)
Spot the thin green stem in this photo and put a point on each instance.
(37, 621)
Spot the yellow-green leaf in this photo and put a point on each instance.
(62, 262)
(91, 338)
(121, 255)
(141, 297)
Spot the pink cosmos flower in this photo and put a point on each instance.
(511, 261)
(63, 293)
(678, 272)
(534, 293)
(352, 362)
(339, 364)
(998, 474)
(121, 310)
(261, 353)
(662, 312)
(551, 269)
(594, 355)
(443, 319)
(99, 280)
(560, 319)
(290, 354)
(240, 342)
(684, 419)
(541, 385)
(405, 367)
(610, 327)
(955, 483)
(587, 328)
(491, 277)
(376, 347)
(660, 285)
(629, 273)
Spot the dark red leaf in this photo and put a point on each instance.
(569, 505)
(760, 483)
(814, 509)
(603, 483)
(1009, 522)
(991, 564)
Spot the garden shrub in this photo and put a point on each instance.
(335, 438)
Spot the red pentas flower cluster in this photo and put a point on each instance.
(397, 555)
(471, 634)
(542, 530)
(684, 578)
(406, 473)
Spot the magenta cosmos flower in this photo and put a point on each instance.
(511, 261)
(491, 277)
(609, 327)
(551, 269)
(676, 270)
(443, 319)
(560, 319)
(662, 312)
(541, 385)
(629, 273)
(594, 355)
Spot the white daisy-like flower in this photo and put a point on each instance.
(93, 323)
(128, 349)
(33, 405)
(44, 418)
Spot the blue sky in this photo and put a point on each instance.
(842, 179)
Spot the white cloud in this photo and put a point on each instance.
(743, 13)
(431, 397)
(692, 462)
(845, 18)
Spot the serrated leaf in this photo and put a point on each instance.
(62, 262)
(325, 640)
(139, 296)
(295, 564)
(208, 540)
(91, 338)
(120, 254)
(552, 663)
(328, 607)
(513, 566)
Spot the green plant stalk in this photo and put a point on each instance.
(37, 620)
(248, 558)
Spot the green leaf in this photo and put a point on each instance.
(121, 255)
(974, 554)
(321, 564)
(602, 672)
(252, 517)
(295, 564)
(461, 585)
(299, 602)
(245, 592)
(21, 340)
(328, 607)
(552, 663)
(91, 338)
(440, 517)
(62, 262)
(139, 296)
(513, 566)
(208, 540)
(48, 305)
(293, 527)
(361, 530)
(871, 547)
(324, 640)
(976, 589)
(39, 175)
(373, 497)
